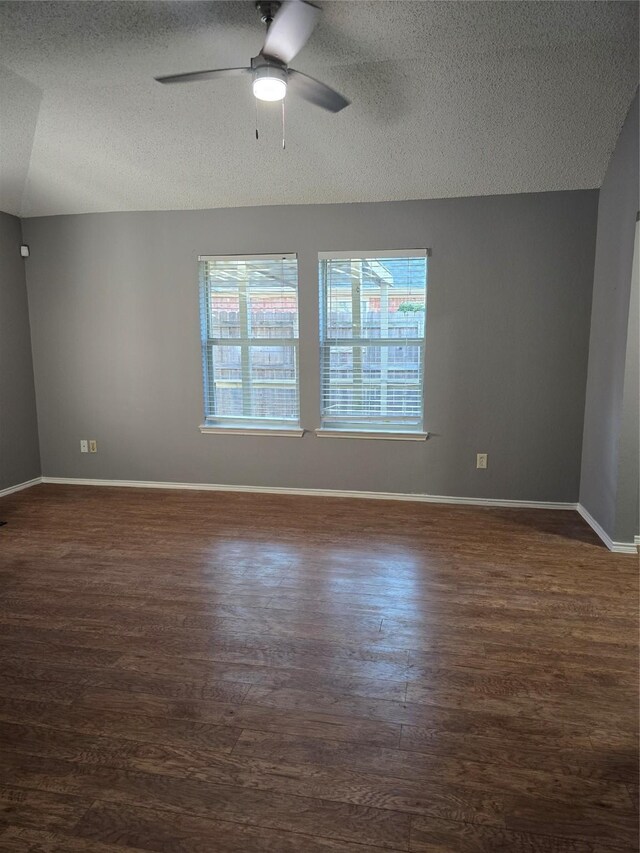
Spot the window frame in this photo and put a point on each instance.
(375, 428)
(249, 424)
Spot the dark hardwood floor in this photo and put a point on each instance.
(199, 672)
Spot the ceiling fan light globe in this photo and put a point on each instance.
(269, 88)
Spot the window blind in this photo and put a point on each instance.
(372, 338)
(249, 325)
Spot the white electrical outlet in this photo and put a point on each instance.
(93, 446)
(84, 445)
(482, 460)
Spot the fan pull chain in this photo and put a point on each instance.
(283, 145)
(256, 100)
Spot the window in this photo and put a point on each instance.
(372, 337)
(249, 324)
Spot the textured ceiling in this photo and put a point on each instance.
(449, 99)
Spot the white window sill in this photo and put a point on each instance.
(376, 434)
(296, 432)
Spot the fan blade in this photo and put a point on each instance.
(316, 92)
(192, 76)
(290, 29)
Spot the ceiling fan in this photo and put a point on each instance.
(289, 26)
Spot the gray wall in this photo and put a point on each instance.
(628, 498)
(114, 312)
(611, 440)
(19, 453)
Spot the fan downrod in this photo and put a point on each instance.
(267, 10)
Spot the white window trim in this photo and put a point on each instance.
(268, 256)
(224, 425)
(211, 429)
(391, 253)
(330, 431)
(326, 432)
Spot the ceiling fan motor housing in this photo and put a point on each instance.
(267, 66)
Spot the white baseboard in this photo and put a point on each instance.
(331, 493)
(19, 486)
(616, 547)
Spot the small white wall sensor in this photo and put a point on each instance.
(24, 250)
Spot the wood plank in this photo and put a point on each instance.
(130, 726)
(115, 679)
(526, 751)
(487, 771)
(433, 702)
(40, 809)
(429, 835)
(76, 656)
(159, 831)
(207, 671)
(309, 722)
(249, 806)
(609, 828)
(17, 839)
